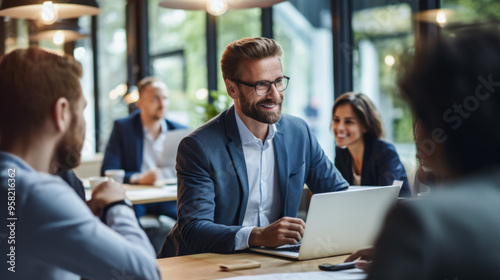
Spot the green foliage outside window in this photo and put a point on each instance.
(468, 11)
(207, 111)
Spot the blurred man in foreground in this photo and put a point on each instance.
(51, 233)
(453, 89)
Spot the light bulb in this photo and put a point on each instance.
(58, 37)
(389, 60)
(48, 13)
(121, 89)
(131, 97)
(216, 7)
(441, 19)
(201, 94)
(79, 53)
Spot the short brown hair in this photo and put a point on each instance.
(31, 81)
(144, 83)
(247, 48)
(365, 110)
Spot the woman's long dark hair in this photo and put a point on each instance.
(365, 110)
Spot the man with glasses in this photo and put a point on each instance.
(241, 175)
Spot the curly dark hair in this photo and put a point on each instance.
(365, 110)
(452, 86)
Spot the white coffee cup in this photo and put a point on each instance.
(116, 174)
(423, 195)
(95, 181)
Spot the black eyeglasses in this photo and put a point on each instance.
(264, 87)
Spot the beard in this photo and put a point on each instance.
(159, 115)
(253, 110)
(68, 150)
(155, 115)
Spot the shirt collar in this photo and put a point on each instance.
(163, 126)
(247, 136)
(17, 160)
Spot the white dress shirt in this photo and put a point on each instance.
(153, 150)
(356, 179)
(264, 202)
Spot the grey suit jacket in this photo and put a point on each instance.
(213, 183)
(455, 234)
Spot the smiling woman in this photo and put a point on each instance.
(362, 156)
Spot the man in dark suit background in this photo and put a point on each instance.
(454, 234)
(241, 175)
(137, 142)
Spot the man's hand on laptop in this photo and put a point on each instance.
(286, 230)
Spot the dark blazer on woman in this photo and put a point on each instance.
(381, 165)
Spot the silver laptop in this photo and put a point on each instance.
(340, 222)
(168, 158)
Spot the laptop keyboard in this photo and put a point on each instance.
(295, 249)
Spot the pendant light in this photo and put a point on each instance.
(217, 7)
(48, 12)
(64, 30)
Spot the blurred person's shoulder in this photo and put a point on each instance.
(135, 115)
(28, 183)
(466, 205)
(456, 228)
(478, 191)
(382, 145)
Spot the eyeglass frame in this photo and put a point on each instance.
(270, 84)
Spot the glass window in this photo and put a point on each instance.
(178, 57)
(467, 11)
(234, 25)
(383, 35)
(112, 55)
(84, 54)
(306, 38)
(16, 34)
(50, 45)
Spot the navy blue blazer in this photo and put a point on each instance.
(212, 192)
(126, 145)
(381, 165)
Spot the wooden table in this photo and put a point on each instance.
(206, 266)
(140, 194)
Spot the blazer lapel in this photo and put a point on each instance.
(345, 164)
(367, 162)
(282, 162)
(238, 159)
